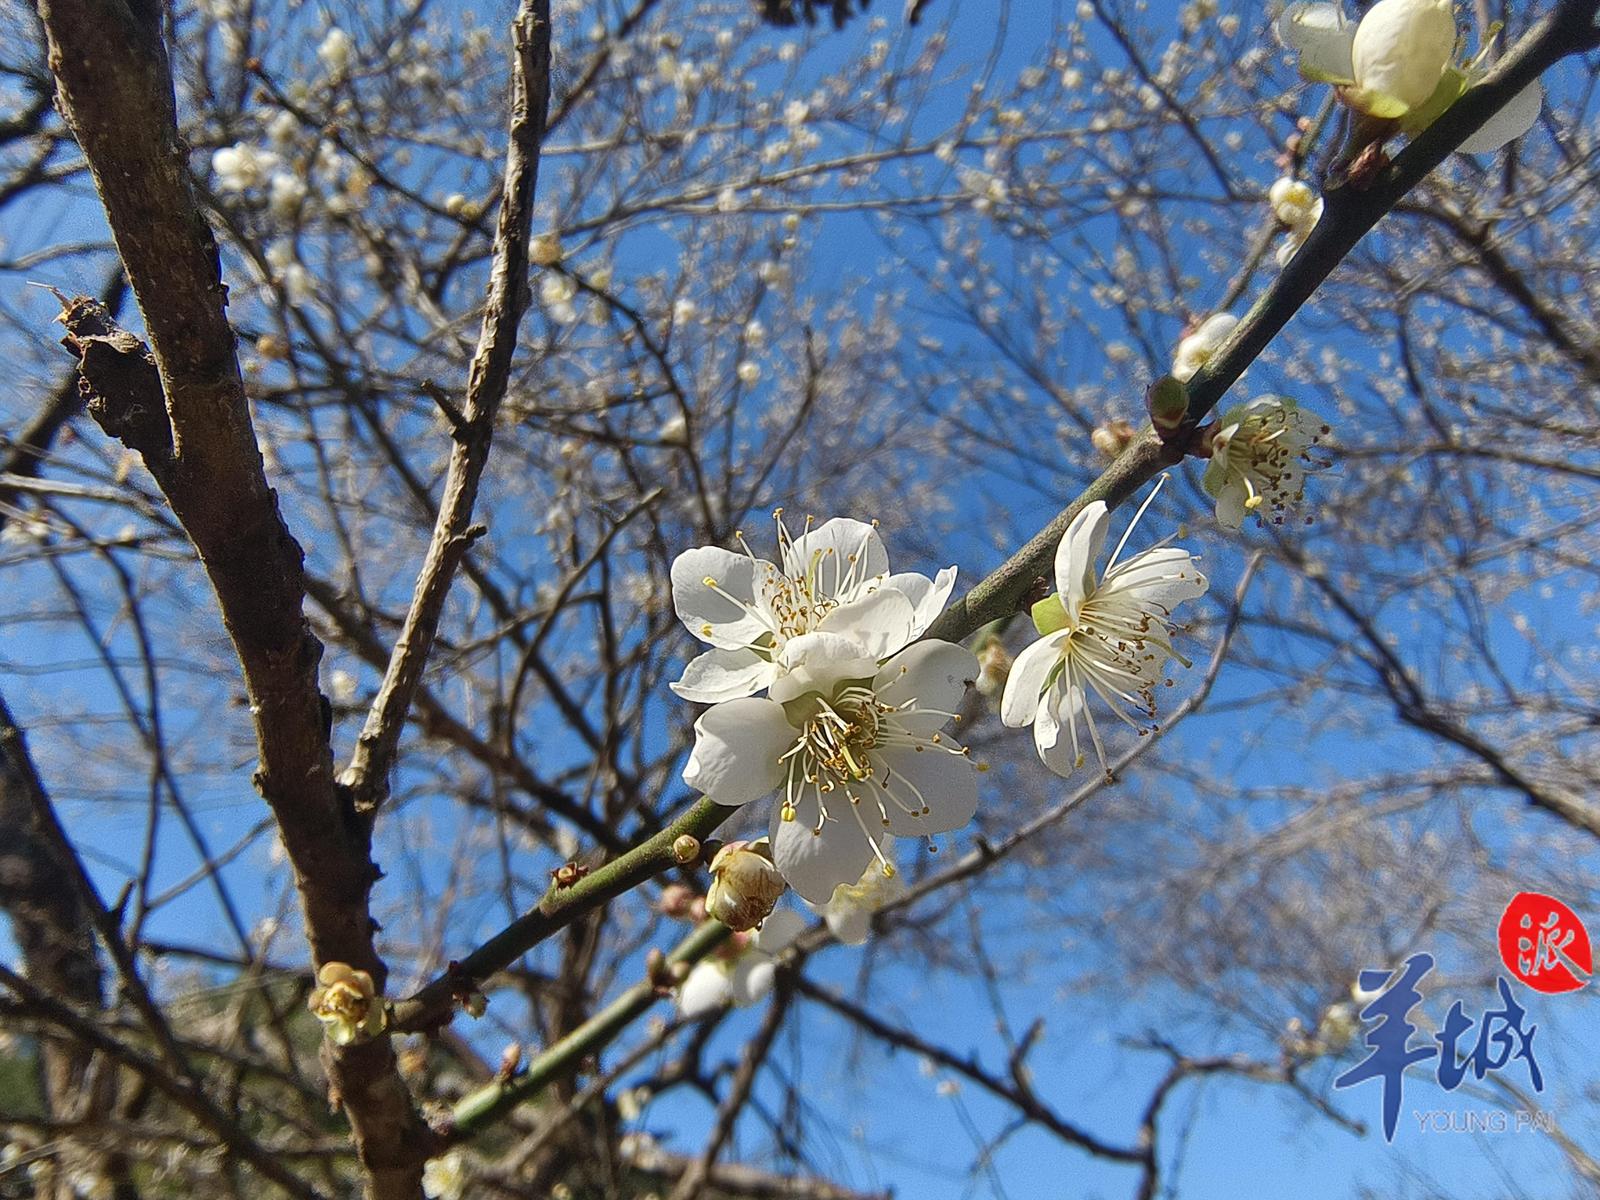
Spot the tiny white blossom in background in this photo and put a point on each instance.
(545, 250)
(742, 974)
(1259, 458)
(835, 578)
(856, 748)
(749, 372)
(1196, 350)
(849, 911)
(1110, 636)
(286, 194)
(1298, 208)
(241, 167)
(335, 51)
(445, 1177)
(1399, 63)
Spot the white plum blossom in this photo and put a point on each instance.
(742, 973)
(1398, 63)
(856, 748)
(445, 1177)
(335, 51)
(286, 194)
(1196, 350)
(1259, 458)
(834, 577)
(242, 166)
(1110, 636)
(545, 250)
(1298, 208)
(849, 911)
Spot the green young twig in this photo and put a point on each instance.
(480, 1109)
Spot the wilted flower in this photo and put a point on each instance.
(1110, 636)
(849, 911)
(745, 885)
(1196, 350)
(346, 1003)
(1398, 63)
(445, 1177)
(856, 748)
(1259, 459)
(743, 973)
(994, 666)
(834, 578)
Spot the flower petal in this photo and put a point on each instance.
(815, 863)
(1162, 577)
(928, 596)
(779, 931)
(1055, 750)
(712, 617)
(1323, 38)
(736, 748)
(879, 622)
(819, 662)
(1230, 504)
(752, 980)
(1077, 554)
(849, 921)
(1026, 682)
(844, 553)
(708, 987)
(934, 674)
(1511, 122)
(946, 784)
(719, 675)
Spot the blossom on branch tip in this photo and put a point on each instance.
(1259, 458)
(834, 578)
(1109, 635)
(346, 1003)
(856, 747)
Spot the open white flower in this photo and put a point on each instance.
(1259, 458)
(834, 578)
(1399, 63)
(741, 974)
(849, 911)
(856, 748)
(445, 1177)
(1197, 349)
(242, 166)
(1110, 636)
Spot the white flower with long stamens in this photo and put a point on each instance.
(834, 578)
(856, 749)
(741, 973)
(1110, 636)
(1259, 458)
(1398, 63)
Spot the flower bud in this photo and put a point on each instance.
(994, 667)
(1399, 55)
(1112, 437)
(745, 885)
(676, 899)
(1168, 402)
(346, 1003)
(1197, 349)
(545, 250)
(686, 848)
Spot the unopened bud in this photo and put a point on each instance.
(686, 848)
(1112, 437)
(676, 900)
(994, 666)
(745, 885)
(510, 1060)
(1168, 403)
